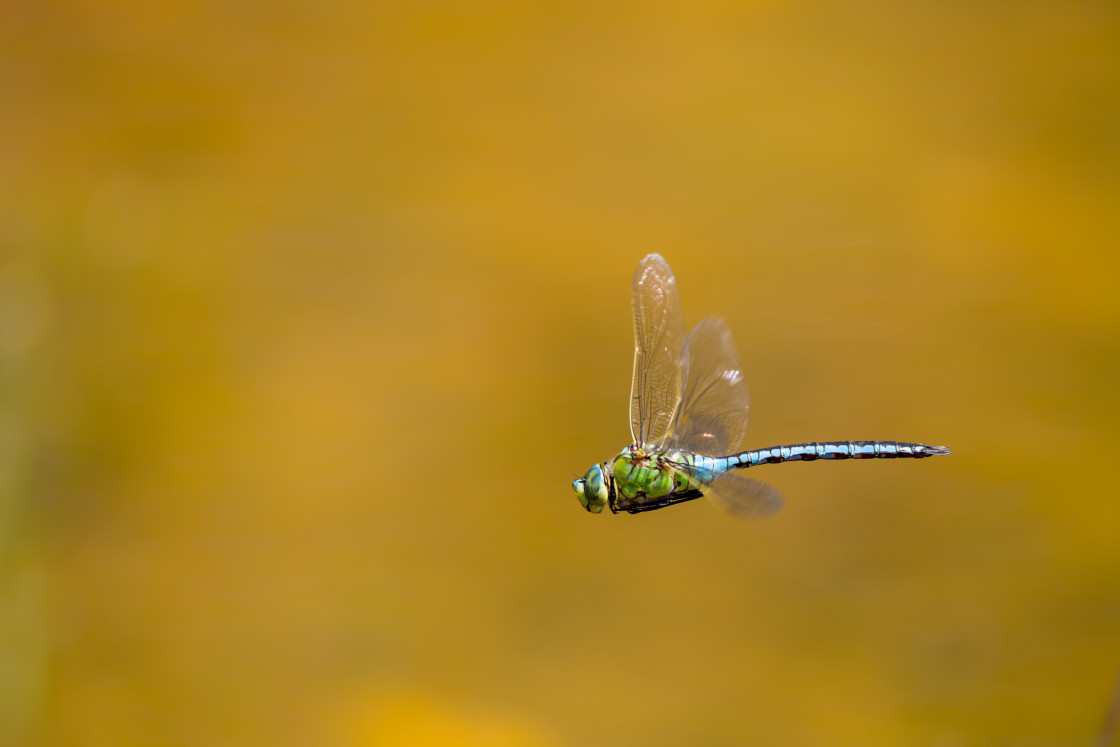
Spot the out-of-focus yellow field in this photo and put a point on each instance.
(311, 312)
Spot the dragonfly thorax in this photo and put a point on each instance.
(643, 472)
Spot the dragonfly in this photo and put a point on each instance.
(688, 408)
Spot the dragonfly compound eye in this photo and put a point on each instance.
(591, 490)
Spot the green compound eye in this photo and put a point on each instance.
(592, 490)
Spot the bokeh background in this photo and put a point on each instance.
(312, 311)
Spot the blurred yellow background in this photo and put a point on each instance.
(311, 312)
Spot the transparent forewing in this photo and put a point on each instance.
(712, 418)
(743, 497)
(659, 364)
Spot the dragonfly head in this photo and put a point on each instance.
(593, 489)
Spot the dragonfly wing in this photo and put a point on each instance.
(712, 418)
(744, 497)
(659, 362)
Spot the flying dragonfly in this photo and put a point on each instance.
(688, 408)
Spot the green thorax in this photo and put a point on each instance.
(645, 475)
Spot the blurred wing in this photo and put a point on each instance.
(712, 418)
(744, 497)
(659, 362)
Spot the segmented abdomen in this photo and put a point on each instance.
(833, 450)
